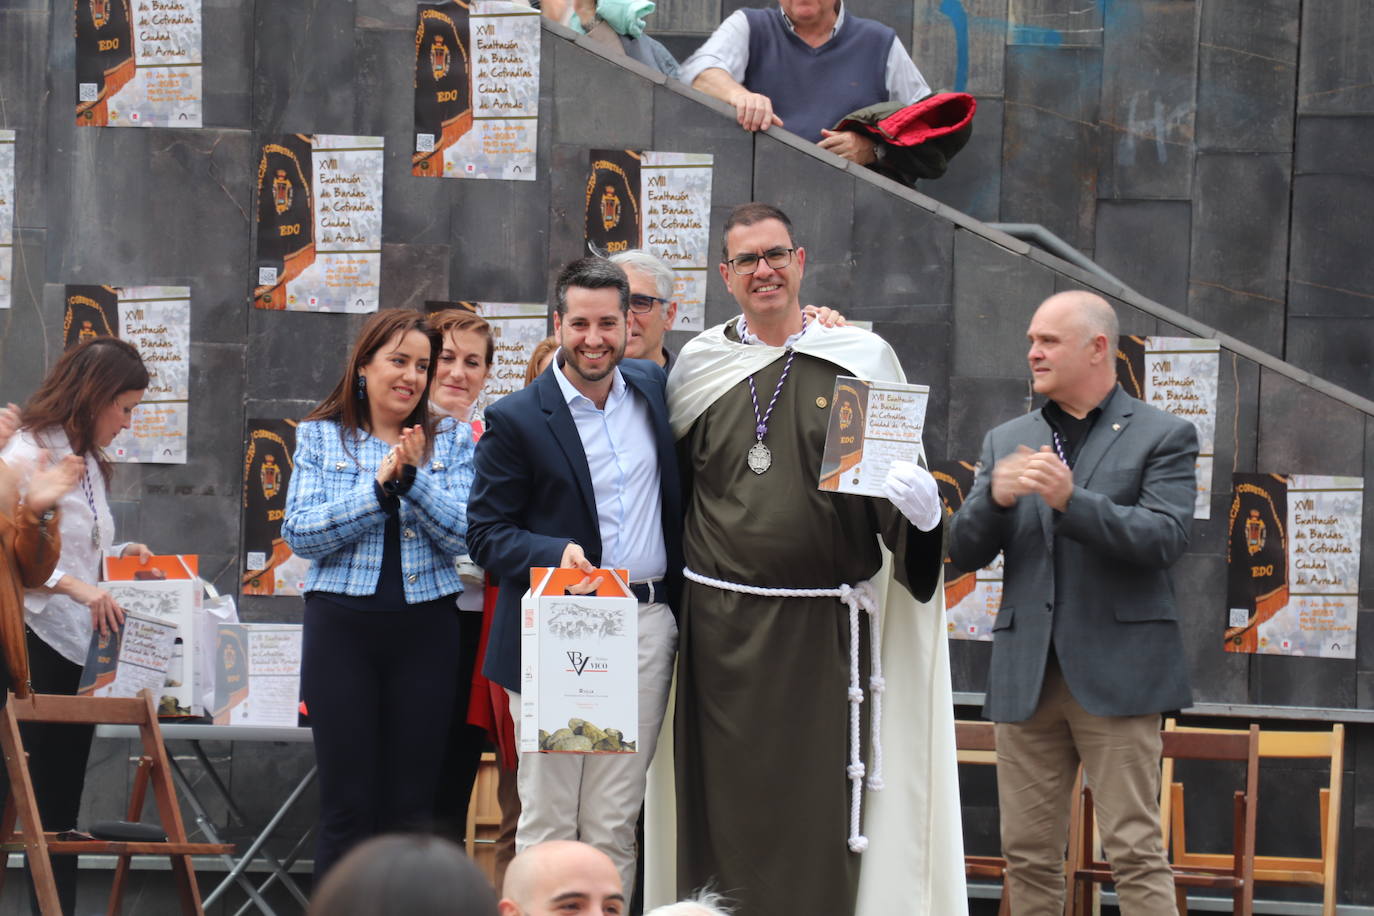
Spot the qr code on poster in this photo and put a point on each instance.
(88, 92)
(267, 276)
(257, 559)
(1239, 617)
(424, 143)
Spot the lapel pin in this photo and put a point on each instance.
(1116, 427)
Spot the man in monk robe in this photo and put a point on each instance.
(772, 720)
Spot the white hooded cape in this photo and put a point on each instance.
(914, 864)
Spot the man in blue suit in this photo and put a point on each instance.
(579, 471)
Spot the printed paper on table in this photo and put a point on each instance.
(129, 658)
(258, 674)
(175, 602)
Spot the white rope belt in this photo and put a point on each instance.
(856, 598)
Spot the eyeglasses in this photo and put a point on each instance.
(746, 264)
(640, 303)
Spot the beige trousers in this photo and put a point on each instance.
(596, 798)
(1036, 763)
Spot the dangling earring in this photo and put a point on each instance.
(362, 388)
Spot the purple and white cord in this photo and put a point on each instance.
(760, 456)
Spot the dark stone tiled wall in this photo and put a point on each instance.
(1076, 133)
(1210, 153)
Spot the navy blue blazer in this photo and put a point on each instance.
(533, 494)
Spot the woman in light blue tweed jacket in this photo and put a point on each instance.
(378, 504)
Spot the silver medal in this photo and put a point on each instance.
(760, 458)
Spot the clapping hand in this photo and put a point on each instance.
(53, 481)
(9, 423)
(1007, 484)
(410, 450)
(1045, 473)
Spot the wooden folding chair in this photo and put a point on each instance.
(1237, 873)
(976, 743)
(484, 817)
(1295, 870)
(153, 769)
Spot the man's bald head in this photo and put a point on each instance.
(1073, 339)
(1089, 312)
(561, 873)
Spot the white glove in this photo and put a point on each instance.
(910, 488)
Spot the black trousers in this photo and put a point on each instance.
(379, 686)
(463, 754)
(57, 761)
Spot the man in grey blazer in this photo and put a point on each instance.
(1090, 499)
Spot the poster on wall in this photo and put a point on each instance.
(972, 598)
(1178, 375)
(6, 217)
(516, 329)
(660, 202)
(157, 321)
(269, 566)
(476, 90)
(319, 223)
(138, 63)
(1293, 564)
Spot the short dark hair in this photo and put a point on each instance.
(404, 874)
(591, 273)
(749, 214)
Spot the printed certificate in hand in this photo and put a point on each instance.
(872, 424)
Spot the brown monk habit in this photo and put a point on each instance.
(762, 705)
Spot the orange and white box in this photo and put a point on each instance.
(579, 665)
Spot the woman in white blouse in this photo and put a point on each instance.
(86, 400)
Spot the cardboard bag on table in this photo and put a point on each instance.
(579, 665)
(166, 588)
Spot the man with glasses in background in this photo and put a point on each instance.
(771, 740)
(652, 309)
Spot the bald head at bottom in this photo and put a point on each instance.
(561, 878)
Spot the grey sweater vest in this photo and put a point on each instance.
(813, 88)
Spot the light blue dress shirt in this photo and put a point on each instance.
(619, 444)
